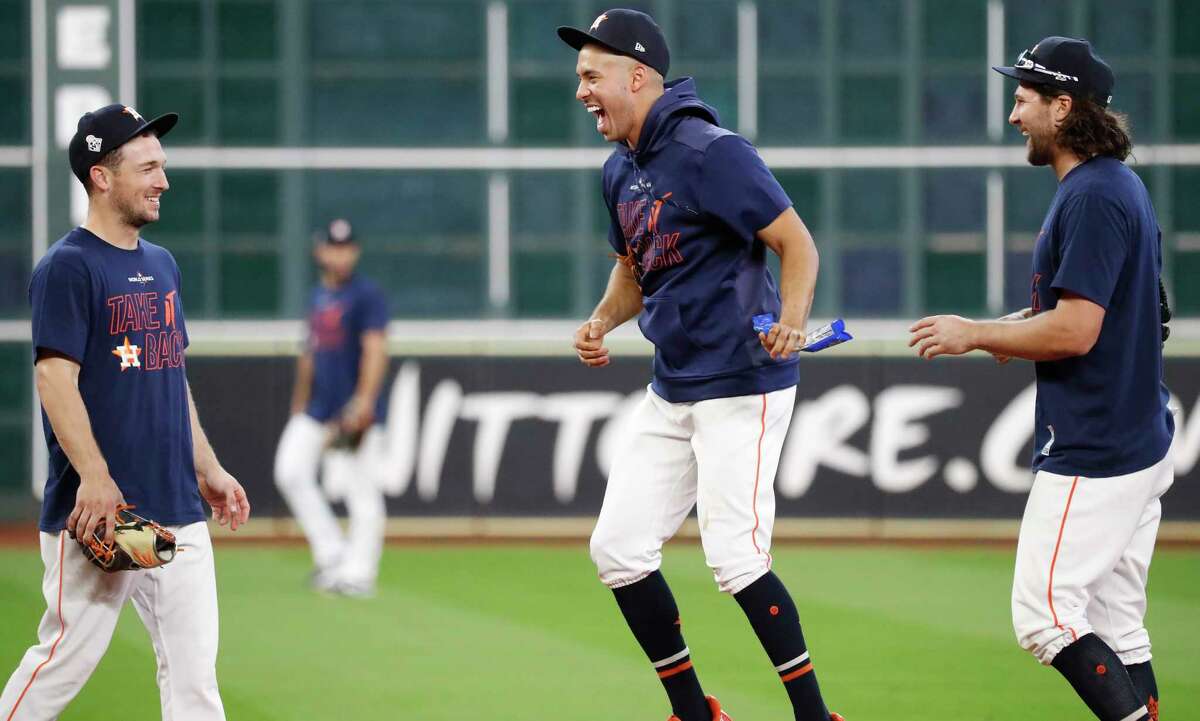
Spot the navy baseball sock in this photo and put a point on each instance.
(1100, 679)
(1142, 676)
(649, 609)
(769, 607)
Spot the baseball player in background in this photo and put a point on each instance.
(121, 427)
(337, 409)
(693, 210)
(1102, 426)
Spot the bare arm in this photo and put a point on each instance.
(360, 412)
(222, 491)
(622, 300)
(1069, 329)
(302, 388)
(789, 238)
(57, 379)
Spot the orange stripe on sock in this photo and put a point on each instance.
(1057, 544)
(797, 673)
(678, 669)
(62, 628)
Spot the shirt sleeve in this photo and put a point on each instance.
(375, 311)
(179, 314)
(737, 187)
(1092, 249)
(61, 309)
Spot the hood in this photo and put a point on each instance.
(678, 100)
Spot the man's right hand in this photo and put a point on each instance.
(589, 343)
(95, 506)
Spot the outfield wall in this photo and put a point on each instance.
(873, 438)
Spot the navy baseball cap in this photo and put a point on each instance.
(339, 232)
(102, 131)
(627, 32)
(1067, 64)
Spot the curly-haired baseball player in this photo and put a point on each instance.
(693, 210)
(1103, 430)
(109, 339)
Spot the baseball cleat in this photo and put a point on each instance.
(836, 717)
(715, 706)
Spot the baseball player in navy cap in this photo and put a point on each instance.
(1095, 330)
(337, 414)
(693, 210)
(121, 427)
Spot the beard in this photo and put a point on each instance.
(130, 214)
(1041, 147)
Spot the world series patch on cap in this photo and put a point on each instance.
(102, 131)
(627, 32)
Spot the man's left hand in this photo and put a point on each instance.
(942, 335)
(227, 498)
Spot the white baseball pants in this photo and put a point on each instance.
(354, 555)
(1083, 557)
(719, 455)
(176, 602)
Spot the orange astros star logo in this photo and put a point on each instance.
(130, 111)
(129, 355)
(596, 24)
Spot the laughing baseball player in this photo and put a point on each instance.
(693, 210)
(109, 339)
(1103, 431)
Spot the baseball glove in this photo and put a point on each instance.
(137, 543)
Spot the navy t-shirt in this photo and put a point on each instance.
(1104, 413)
(337, 319)
(119, 314)
(685, 207)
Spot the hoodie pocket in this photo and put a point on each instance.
(661, 324)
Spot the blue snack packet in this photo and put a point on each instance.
(762, 323)
(826, 336)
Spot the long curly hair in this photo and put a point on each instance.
(1090, 129)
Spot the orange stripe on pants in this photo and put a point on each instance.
(62, 628)
(757, 471)
(1054, 559)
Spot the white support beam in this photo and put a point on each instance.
(995, 242)
(499, 253)
(995, 81)
(127, 52)
(747, 68)
(497, 77)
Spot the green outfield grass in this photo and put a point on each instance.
(505, 632)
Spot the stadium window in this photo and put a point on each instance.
(870, 29)
(871, 109)
(423, 234)
(871, 258)
(954, 243)
(15, 208)
(545, 235)
(954, 108)
(1028, 21)
(396, 73)
(1185, 27)
(1186, 243)
(14, 72)
(1185, 121)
